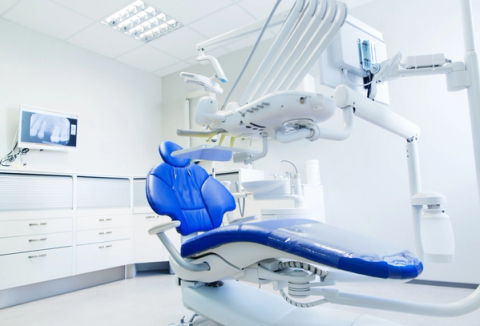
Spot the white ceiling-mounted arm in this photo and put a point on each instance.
(375, 113)
(296, 43)
(296, 75)
(275, 50)
(314, 10)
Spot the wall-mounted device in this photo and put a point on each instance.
(42, 129)
(353, 57)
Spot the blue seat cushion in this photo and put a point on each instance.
(318, 242)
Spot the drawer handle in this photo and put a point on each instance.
(35, 240)
(108, 219)
(36, 224)
(37, 256)
(103, 220)
(103, 247)
(152, 216)
(102, 233)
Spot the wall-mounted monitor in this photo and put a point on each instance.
(43, 129)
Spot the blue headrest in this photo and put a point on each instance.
(166, 148)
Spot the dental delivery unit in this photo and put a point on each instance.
(302, 258)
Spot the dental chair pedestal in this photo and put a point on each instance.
(254, 306)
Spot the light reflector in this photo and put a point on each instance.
(142, 21)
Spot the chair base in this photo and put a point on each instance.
(239, 304)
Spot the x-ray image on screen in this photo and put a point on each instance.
(48, 128)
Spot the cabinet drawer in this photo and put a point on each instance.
(33, 267)
(102, 222)
(30, 227)
(104, 255)
(102, 235)
(35, 242)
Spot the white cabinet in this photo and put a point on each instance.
(93, 257)
(53, 226)
(32, 267)
(36, 214)
(103, 224)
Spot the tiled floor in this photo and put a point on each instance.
(156, 300)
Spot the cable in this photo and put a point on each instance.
(12, 156)
(307, 267)
(345, 75)
(251, 53)
(302, 304)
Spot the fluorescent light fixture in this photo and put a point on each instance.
(142, 21)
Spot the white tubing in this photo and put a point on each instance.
(375, 113)
(340, 18)
(296, 59)
(276, 48)
(276, 79)
(301, 30)
(292, 136)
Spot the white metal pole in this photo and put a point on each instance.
(187, 120)
(415, 187)
(472, 67)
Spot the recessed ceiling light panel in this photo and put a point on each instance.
(142, 21)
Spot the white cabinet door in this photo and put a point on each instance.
(33, 267)
(94, 257)
(146, 248)
(35, 242)
(31, 227)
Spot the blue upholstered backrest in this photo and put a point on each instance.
(186, 193)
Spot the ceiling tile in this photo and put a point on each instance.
(105, 40)
(95, 9)
(147, 58)
(261, 9)
(48, 17)
(222, 21)
(171, 69)
(218, 52)
(187, 11)
(5, 4)
(180, 43)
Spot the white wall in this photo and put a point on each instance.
(119, 107)
(365, 177)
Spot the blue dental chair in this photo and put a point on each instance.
(197, 202)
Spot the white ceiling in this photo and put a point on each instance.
(79, 22)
